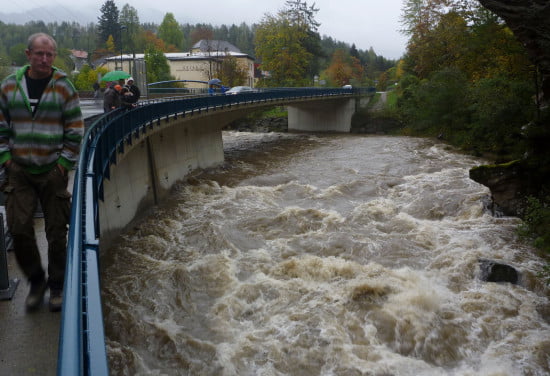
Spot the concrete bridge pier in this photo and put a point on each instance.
(332, 116)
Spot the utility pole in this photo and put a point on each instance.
(122, 27)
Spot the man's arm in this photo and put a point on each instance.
(5, 130)
(73, 130)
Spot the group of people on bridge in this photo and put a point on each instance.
(120, 94)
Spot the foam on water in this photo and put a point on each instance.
(338, 255)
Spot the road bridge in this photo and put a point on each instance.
(128, 163)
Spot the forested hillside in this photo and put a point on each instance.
(120, 30)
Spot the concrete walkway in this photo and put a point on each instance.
(28, 341)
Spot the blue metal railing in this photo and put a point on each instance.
(82, 339)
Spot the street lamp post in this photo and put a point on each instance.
(122, 27)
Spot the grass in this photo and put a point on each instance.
(391, 100)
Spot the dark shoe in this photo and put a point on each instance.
(36, 295)
(56, 300)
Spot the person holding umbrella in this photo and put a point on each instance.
(211, 85)
(115, 76)
(111, 97)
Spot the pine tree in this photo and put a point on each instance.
(131, 36)
(170, 31)
(108, 23)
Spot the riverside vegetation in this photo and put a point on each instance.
(483, 84)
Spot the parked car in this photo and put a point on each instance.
(239, 90)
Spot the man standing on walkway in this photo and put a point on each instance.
(41, 128)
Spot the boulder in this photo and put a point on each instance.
(492, 271)
(507, 183)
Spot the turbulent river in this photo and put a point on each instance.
(327, 255)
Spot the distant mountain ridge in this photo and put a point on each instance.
(80, 15)
(49, 14)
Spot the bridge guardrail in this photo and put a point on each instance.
(82, 339)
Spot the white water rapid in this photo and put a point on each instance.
(336, 255)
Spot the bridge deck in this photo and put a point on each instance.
(28, 341)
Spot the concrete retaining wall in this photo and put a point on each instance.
(144, 175)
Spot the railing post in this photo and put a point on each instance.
(7, 286)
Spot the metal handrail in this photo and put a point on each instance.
(82, 339)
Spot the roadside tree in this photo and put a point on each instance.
(157, 65)
(170, 32)
(108, 23)
(132, 33)
(230, 73)
(339, 72)
(287, 45)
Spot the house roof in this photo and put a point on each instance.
(207, 45)
(202, 50)
(201, 55)
(182, 55)
(79, 54)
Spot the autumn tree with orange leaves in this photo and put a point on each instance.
(344, 69)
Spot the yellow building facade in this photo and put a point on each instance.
(201, 64)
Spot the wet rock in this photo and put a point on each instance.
(508, 185)
(512, 183)
(492, 271)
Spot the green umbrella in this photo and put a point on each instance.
(115, 76)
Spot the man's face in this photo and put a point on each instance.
(41, 58)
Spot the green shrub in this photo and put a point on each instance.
(438, 106)
(536, 227)
(500, 108)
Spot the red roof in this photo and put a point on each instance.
(80, 54)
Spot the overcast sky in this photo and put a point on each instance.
(367, 23)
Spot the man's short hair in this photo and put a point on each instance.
(35, 36)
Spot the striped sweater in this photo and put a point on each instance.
(52, 136)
